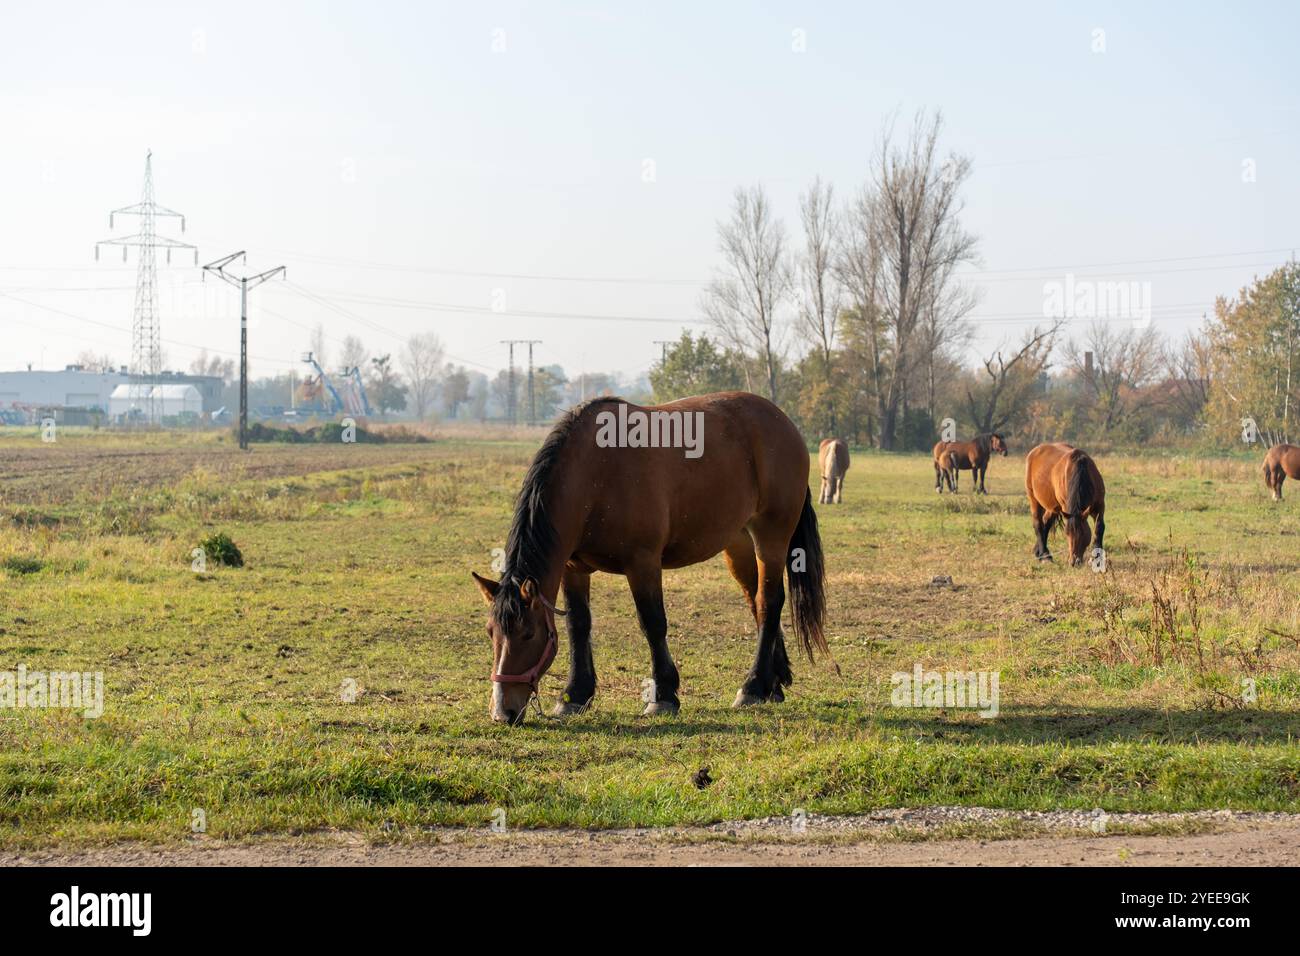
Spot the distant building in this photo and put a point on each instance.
(130, 401)
(71, 388)
(74, 387)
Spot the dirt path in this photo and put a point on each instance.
(1241, 840)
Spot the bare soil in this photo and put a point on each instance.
(1245, 840)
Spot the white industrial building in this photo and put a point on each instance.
(71, 388)
(128, 401)
(75, 387)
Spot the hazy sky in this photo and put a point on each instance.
(415, 164)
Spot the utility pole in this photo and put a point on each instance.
(510, 380)
(146, 339)
(663, 344)
(244, 283)
(532, 404)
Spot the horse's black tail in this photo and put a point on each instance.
(1078, 496)
(807, 574)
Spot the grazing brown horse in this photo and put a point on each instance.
(832, 462)
(951, 457)
(631, 491)
(1281, 462)
(1063, 482)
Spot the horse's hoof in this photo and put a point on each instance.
(744, 699)
(567, 709)
(1044, 557)
(661, 708)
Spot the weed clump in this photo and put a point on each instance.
(220, 549)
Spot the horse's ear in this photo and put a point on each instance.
(529, 590)
(487, 586)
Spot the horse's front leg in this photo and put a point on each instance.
(646, 582)
(771, 667)
(581, 686)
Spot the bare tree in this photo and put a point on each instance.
(1010, 380)
(355, 354)
(1189, 365)
(904, 243)
(422, 359)
(91, 362)
(942, 332)
(743, 300)
(819, 288)
(1121, 364)
(214, 365)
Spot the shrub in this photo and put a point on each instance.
(221, 550)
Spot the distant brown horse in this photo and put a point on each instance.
(1063, 482)
(951, 457)
(832, 462)
(1281, 462)
(631, 491)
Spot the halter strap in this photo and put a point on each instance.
(534, 673)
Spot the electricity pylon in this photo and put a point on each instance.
(146, 334)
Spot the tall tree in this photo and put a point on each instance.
(744, 300)
(904, 242)
(421, 362)
(355, 354)
(1115, 366)
(1256, 357)
(386, 386)
(695, 367)
(819, 288)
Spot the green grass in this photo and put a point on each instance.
(226, 691)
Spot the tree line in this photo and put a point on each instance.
(859, 327)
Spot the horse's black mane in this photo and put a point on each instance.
(532, 536)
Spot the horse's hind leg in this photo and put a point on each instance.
(771, 667)
(743, 564)
(581, 686)
(646, 582)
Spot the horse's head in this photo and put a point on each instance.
(521, 623)
(998, 443)
(1078, 536)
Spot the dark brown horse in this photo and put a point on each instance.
(951, 457)
(1281, 462)
(631, 491)
(1063, 482)
(832, 462)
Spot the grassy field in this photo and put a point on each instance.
(228, 691)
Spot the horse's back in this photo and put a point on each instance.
(1040, 464)
(1048, 471)
(842, 455)
(832, 453)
